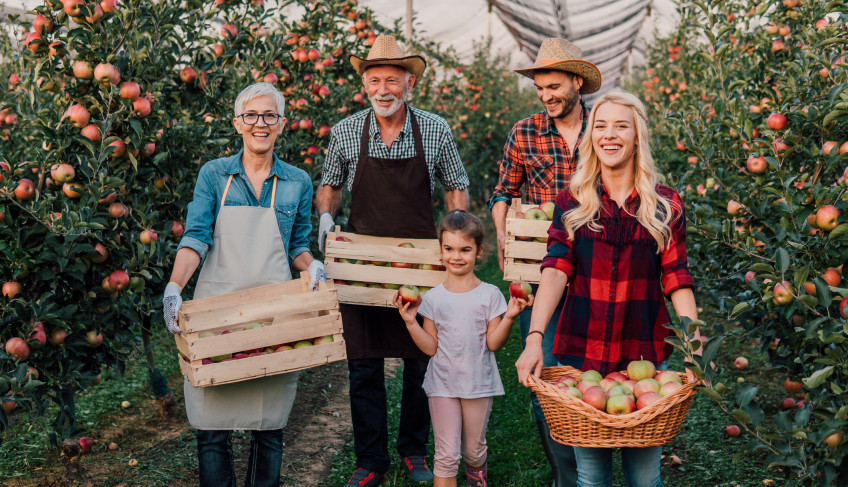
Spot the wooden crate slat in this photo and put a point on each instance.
(276, 334)
(366, 296)
(527, 228)
(525, 250)
(380, 274)
(419, 243)
(255, 367)
(225, 317)
(522, 272)
(261, 293)
(382, 253)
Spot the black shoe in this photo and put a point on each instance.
(364, 478)
(416, 469)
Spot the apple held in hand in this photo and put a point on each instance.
(520, 290)
(409, 294)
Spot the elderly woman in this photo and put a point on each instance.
(249, 225)
(618, 240)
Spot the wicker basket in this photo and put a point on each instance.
(573, 422)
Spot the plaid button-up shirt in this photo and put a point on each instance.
(536, 156)
(614, 307)
(440, 152)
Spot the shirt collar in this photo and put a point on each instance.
(233, 165)
(374, 129)
(547, 126)
(602, 193)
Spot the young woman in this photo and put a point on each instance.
(465, 321)
(618, 240)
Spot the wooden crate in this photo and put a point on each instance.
(525, 246)
(289, 312)
(353, 262)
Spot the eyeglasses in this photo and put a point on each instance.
(267, 118)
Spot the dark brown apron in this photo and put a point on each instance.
(389, 198)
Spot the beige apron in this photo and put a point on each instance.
(247, 251)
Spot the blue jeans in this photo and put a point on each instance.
(215, 458)
(641, 466)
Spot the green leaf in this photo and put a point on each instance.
(809, 300)
(830, 117)
(762, 267)
(743, 306)
(741, 416)
(839, 230)
(746, 394)
(711, 393)
(822, 292)
(781, 258)
(818, 377)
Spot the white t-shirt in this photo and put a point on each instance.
(463, 365)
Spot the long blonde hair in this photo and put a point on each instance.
(654, 212)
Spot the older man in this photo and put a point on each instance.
(541, 154)
(388, 157)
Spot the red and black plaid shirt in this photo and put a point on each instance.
(614, 307)
(537, 155)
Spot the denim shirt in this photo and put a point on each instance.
(293, 203)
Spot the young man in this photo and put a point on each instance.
(388, 157)
(540, 155)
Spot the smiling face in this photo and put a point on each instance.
(614, 137)
(459, 252)
(558, 91)
(259, 139)
(387, 87)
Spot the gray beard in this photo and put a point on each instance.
(386, 112)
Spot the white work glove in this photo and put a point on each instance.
(325, 224)
(171, 303)
(316, 274)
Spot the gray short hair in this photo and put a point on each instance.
(255, 91)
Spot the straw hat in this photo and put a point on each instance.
(387, 51)
(564, 56)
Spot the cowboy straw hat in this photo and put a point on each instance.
(562, 55)
(387, 51)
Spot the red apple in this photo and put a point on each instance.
(842, 305)
(85, 444)
(82, 70)
(595, 397)
(141, 107)
(323, 339)
(94, 338)
(607, 385)
(11, 289)
(664, 376)
(757, 164)
(620, 404)
(62, 173)
(130, 90)
(42, 25)
(826, 217)
(58, 336)
(229, 31)
(617, 376)
(105, 73)
(783, 293)
(118, 210)
(177, 229)
(72, 7)
(777, 121)
(25, 190)
(832, 276)
(646, 385)
(732, 431)
(520, 290)
(640, 369)
(17, 348)
(91, 132)
(409, 294)
(647, 399)
(146, 237)
(788, 403)
(119, 280)
(734, 208)
(833, 440)
(827, 147)
(110, 6)
(188, 75)
(37, 337)
(78, 116)
(669, 388)
(583, 385)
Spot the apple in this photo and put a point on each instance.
(91, 132)
(641, 369)
(777, 121)
(95, 15)
(141, 107)
(177, 229)
(72, 190)
(591, 375)
(566, 381)
(110, 6)
(72, 7)
(842, 306)
(617, 376)
(57, 336)
(826, 217)
(402, 265)
(548, 207)
(8, 406)
(572, 391)
(302, 344)
(37, 337)
(777, 46)
(734, 208)
(608, 384)
(595, 397)
(833, 440)
(788, 403)
(94, 338)
(130, 90)
(616, 390)
(740, 363)
(17, 348)
(827, 147)
(646, 385)
(783, 293)
(323, 339)
(188, 75)
(583, 385)
(406, 245)
(82, 70)
(119, 280)
(283, 348)
(146, 237)
(620, 404)
(102, 254)
(665, 376)
(520, 290)
(535, 214)
(629, 385)
(118, 210)
(732, 431)
(409, 294)
(125, 404)
(119, 148)
(105, 73)
(85, 444)
(647, 399)
(42, 25)
(228, 31)
(832, 276)
(113, 446)
(669, 388)
(78, 115)
(757, 164)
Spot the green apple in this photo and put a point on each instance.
(302, 344)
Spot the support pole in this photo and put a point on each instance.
(409, 21)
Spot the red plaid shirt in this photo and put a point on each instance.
(614, 308)
(537, 155)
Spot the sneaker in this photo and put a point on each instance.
(416, 469)
(364, 478)
(476, 477)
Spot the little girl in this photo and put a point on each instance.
(465, 321)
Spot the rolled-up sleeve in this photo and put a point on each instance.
(511, 175)
(335, 167)
(200, 220)
(449, 168)
(302, 226)
(673, 259)
(560, 248)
